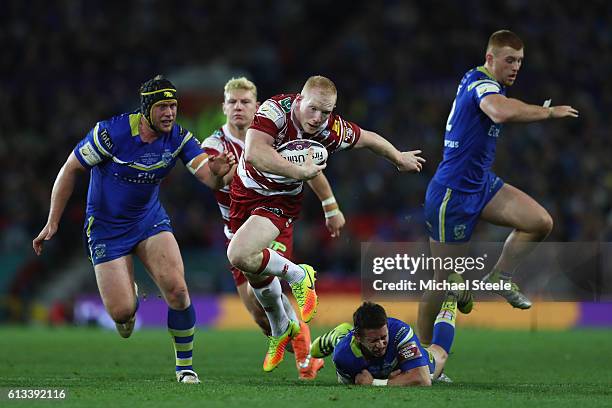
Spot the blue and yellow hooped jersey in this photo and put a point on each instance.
(125, 171)
(404, 352)
(471, 136)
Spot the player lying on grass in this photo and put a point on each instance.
(381, 350)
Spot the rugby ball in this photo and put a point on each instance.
(296, 151)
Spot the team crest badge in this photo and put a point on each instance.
(459, 231)
(167, 158)
(99, 251)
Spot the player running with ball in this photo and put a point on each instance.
(239, 106)
(267, 194)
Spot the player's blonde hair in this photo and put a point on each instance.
(504, 38)
(321, 83)
(239, 83)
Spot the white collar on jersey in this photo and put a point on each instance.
(232, 138)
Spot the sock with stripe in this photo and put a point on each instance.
(275, 264)
(444, 326)
(181, 325)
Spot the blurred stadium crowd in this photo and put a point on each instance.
(67, 64)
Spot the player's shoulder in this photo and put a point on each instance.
(337, 124)
(216, 141)
(399, 331)
(277, 109)
(110, 133)
(478, 75)
(345, 132)
(218, 134)
(343, 351)
(120, 125)
(179, 137)
(284, 101)
(181, 132)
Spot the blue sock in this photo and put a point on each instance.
(181, 325)
(444, 326)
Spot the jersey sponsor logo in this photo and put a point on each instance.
(409, 351)
(493, 185)
(106, 140)
(348, 134)
(271, 111)
(276, 211)
(336, 127)
(285, 104)
(494, 131)
(89, 154)
(278, 247)
(141, 178)
(453, 144)
(486, 87)
(402, 335)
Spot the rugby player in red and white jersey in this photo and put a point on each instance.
(239, 106)
(266, 196)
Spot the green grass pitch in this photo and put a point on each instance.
(490, 369)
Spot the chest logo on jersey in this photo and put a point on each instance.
(167, 157)
(152, 158)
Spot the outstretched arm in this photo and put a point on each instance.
(214, 171)
(502, 109)
(334, 219)
(62, 190)
(404, 161)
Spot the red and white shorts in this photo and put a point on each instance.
(281, 210)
